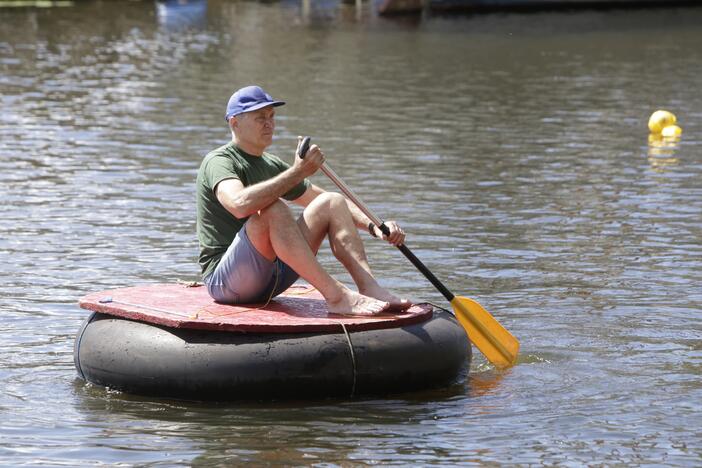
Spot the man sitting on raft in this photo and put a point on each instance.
(251, 247)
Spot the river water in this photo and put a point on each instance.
(513, 148)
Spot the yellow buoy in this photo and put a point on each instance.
(671, 131)
(660, 120)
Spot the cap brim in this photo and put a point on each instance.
(258, 106)
(261, 105)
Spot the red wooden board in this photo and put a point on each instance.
(300, 309)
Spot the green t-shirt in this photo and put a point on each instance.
(217, 227)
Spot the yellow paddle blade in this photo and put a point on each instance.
(485, 332)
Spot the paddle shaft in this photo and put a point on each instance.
(378, 222)
(381, 225)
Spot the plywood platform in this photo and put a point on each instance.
(301, 309)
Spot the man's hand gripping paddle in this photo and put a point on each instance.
(492, 339)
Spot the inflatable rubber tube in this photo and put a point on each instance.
(147, 359)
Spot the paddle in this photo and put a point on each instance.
(492, 339)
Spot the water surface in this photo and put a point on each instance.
(512, 147)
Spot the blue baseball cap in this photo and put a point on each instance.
(249, 99)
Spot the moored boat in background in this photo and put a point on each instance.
(390, 7)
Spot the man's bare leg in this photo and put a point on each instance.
(328, 214)
(274, 233)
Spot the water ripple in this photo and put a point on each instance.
(514, 153)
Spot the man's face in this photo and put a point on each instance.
(256, 127)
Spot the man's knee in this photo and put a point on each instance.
(260, 226)
(329, 201)
(274, 213)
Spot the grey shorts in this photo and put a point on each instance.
(243, 275)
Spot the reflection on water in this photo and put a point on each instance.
(662, 152)
(36, 3)
(511, 147)
(179, 15)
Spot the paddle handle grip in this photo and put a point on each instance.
(304, 147)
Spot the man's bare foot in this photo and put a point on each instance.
(353, 303)
(382, 294)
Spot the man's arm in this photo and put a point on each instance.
(244, 201)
